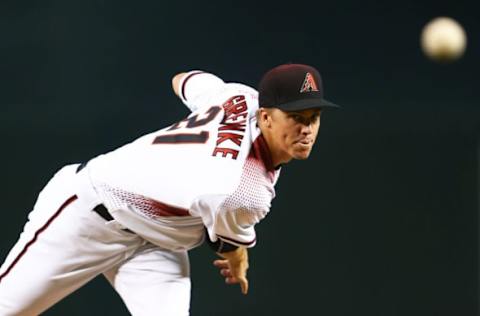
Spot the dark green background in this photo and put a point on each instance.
(382, 220)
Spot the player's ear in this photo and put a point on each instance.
(264, 117)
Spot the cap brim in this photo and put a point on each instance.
(305, 104)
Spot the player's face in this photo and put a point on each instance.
(294, 133)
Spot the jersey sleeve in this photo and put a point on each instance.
(197, 88)
(233, 217)
(229, 220)
(237, 226)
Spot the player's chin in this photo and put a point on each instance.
(302, 154)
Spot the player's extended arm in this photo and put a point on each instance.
(176, 82)
(234, 267)
(196, 88)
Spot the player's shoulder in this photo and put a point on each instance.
(234, 93)
(241, 89)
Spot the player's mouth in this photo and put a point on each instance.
(304, 141)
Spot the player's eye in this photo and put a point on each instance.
(296, 117)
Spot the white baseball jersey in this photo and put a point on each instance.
(212, 169)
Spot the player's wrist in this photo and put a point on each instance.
(237, 255)
(220, 246)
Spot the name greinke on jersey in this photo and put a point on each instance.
(234, 120)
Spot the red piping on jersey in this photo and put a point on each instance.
(186, 79)
(162, 209)
(147, 205)
(261, 152)
(37, 233)
(236, 241)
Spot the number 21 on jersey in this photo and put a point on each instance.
(191, 122)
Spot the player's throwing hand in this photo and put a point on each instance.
(234, 267)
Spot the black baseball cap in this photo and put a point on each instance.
(292, 87)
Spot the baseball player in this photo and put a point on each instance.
(133, 213)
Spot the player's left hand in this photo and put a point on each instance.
(234, 267)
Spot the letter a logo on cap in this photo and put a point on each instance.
(308, 84)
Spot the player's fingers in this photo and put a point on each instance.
(231, 280)
(221, 263)
(242, 281)
(244, 285)
(226, 272)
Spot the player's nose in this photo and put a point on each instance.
(306, 128)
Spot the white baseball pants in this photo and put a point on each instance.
(65, 244)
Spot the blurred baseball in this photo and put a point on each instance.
(443, 39)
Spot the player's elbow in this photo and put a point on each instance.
(176, 82)
(248, 218)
